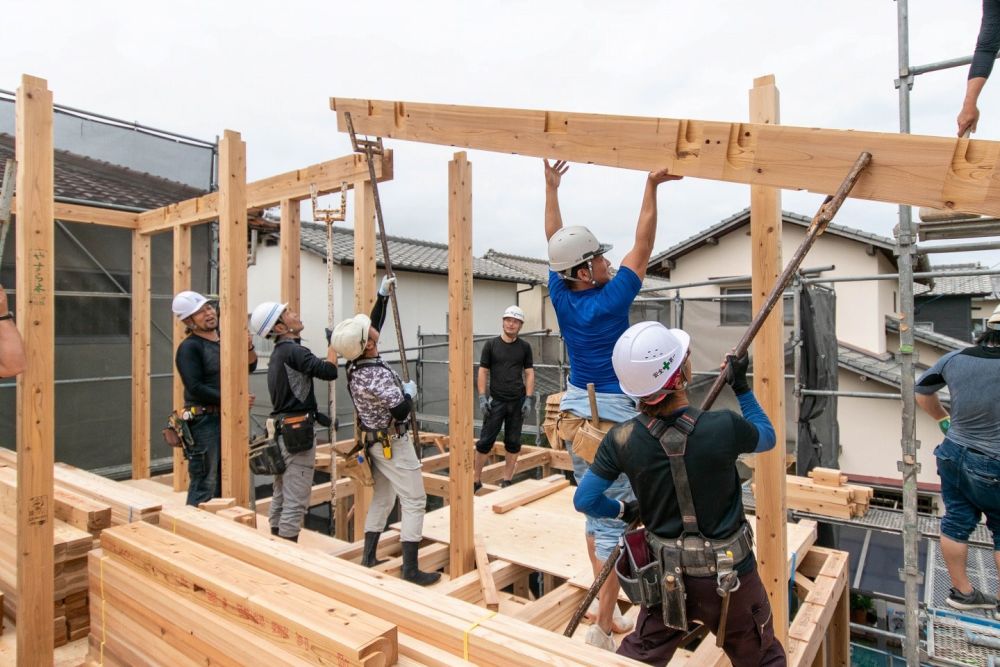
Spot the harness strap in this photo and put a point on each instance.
(674, 444)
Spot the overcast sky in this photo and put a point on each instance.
(268, 69)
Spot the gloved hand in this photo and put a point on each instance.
(631, 512)
(485, 403)
(329, 336)
(410, 388)
(944, 424)
(736, 373)
(383, 289)
(527, 406)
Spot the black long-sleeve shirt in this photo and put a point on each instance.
(200, 365)
(988, 43)
(290, 376)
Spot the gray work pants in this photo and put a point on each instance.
(292, 490)
(399, 476)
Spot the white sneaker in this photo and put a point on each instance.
(596, 637)
(620, 623)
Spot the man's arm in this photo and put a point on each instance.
(931, 404)
(529, 381)
(637, 258)
(553, 176)
(481, 377)
(12, 358)
(987, 46)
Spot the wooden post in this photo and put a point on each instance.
(364, 299)
(291, 251)
(769, 372)
(36, 386)
(141, 329)
(233, 317)
(182, 281)
(460, 427)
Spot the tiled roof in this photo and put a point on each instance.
(83, 178)
(940, 341)
(959, 285)
(884, 368)
(540, 268)
(407, 254)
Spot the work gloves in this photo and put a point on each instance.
(329, 336)
(527, 406)
(410, 389)
(944, 424)
(630, 511)
(485, 403)
(387, 282)
(736, 373)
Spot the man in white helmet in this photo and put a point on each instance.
(506, 361)
(383, 404)
(199, 365)
(682, 465)
(592, 307)
(290, 374)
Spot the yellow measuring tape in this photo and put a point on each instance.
(465, 636)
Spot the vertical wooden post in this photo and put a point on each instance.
(769, 373)
(35, 257)
(182, 281)
(233, 317)
(141, 329)
(291, 252)
(462, 552)
(364, 299)
(838, 637)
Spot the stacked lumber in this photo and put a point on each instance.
(161, 599)
(827, 492)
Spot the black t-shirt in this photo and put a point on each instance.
(710, 458)
(290, 376)
(506, 363)
(199, 365)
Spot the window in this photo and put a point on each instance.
(739, 312)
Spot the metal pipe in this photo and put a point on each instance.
(848, 394)
(797, 361)
(99, 204)
(718, 297)
(107, 378)
(941, 64)
(729, 279)
(912, 276)
(958, 247)
(475, 339)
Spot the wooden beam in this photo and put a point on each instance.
(293, 185)
(141, 329)
(182, 281)
(233, 317)
(460, 394)
(489, 589)
(291, 254)
(35, 259)
(365, 290)
(551, 485)
(769, 372)
(92, 215)
(956, 174)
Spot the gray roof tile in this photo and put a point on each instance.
(940, 341)
(958, 285)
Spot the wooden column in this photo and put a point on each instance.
(460, 427)
(182, 281)
(35, 257)
(291, 252)
(141, 328)
(364, 299)
(233, 317)
(769, 372)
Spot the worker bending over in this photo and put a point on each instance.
(383, 403)
(682, 466)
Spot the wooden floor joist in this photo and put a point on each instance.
(949, 173)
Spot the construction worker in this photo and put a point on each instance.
(383, 403)
(987, 46)
(507, 363)
(592, 308)
(968, 460)
(199, 365)
(290, 374)
(12, 359)
(694, 522)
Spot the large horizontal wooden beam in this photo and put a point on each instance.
(92, 215)
(960, 174)
(294, 186)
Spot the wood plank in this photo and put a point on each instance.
(233, 318)
(141, 329)
(553, 610)
(467, 587)
(957, 174)
(489, 589)
(74, 509)
(430, 558)
(838, 638)
(460, 390)
(291, 254)
(548, 485)
(181, 282)
(560, 460)
(35, 261)
(91, 215)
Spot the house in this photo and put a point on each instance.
(957, 306)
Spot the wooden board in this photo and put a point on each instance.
(141, 328)
(960, 174)
(181, 282)
(549, 485)
(75, 509)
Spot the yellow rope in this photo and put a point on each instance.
(465, 636)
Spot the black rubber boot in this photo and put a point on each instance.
(274, 530)
(293, 538)
(371, 545)
(411, 572)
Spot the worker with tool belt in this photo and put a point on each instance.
(383, 403)
(592, 307)
(694, 561)
(290, 374)
(199, 365)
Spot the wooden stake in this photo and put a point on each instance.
(182, 281)
(291, 252)
(141, 329)
(36, 386)
(460, 364)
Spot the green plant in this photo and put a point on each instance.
(859, 601)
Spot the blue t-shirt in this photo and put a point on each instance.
(591, 321)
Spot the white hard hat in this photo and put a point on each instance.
(572, 246)
(515, 312)
(265, 316)
(994, 322)
(350, 337)
(648, 356)
(187, 303)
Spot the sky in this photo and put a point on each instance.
(267, 70)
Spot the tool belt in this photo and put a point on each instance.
(297, 431)
(178, 434)
(192, 411)
(266, 457)
(383, 435)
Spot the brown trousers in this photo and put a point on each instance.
(749, 628)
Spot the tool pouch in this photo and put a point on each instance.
(266, 457)
(637, 570)
(298, 432)
(178, 434)
(673, 597)
(588, 439)
(357, 466)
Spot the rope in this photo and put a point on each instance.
(465, 635)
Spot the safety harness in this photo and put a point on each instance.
(364, 436)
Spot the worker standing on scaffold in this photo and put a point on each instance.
(383, 403)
